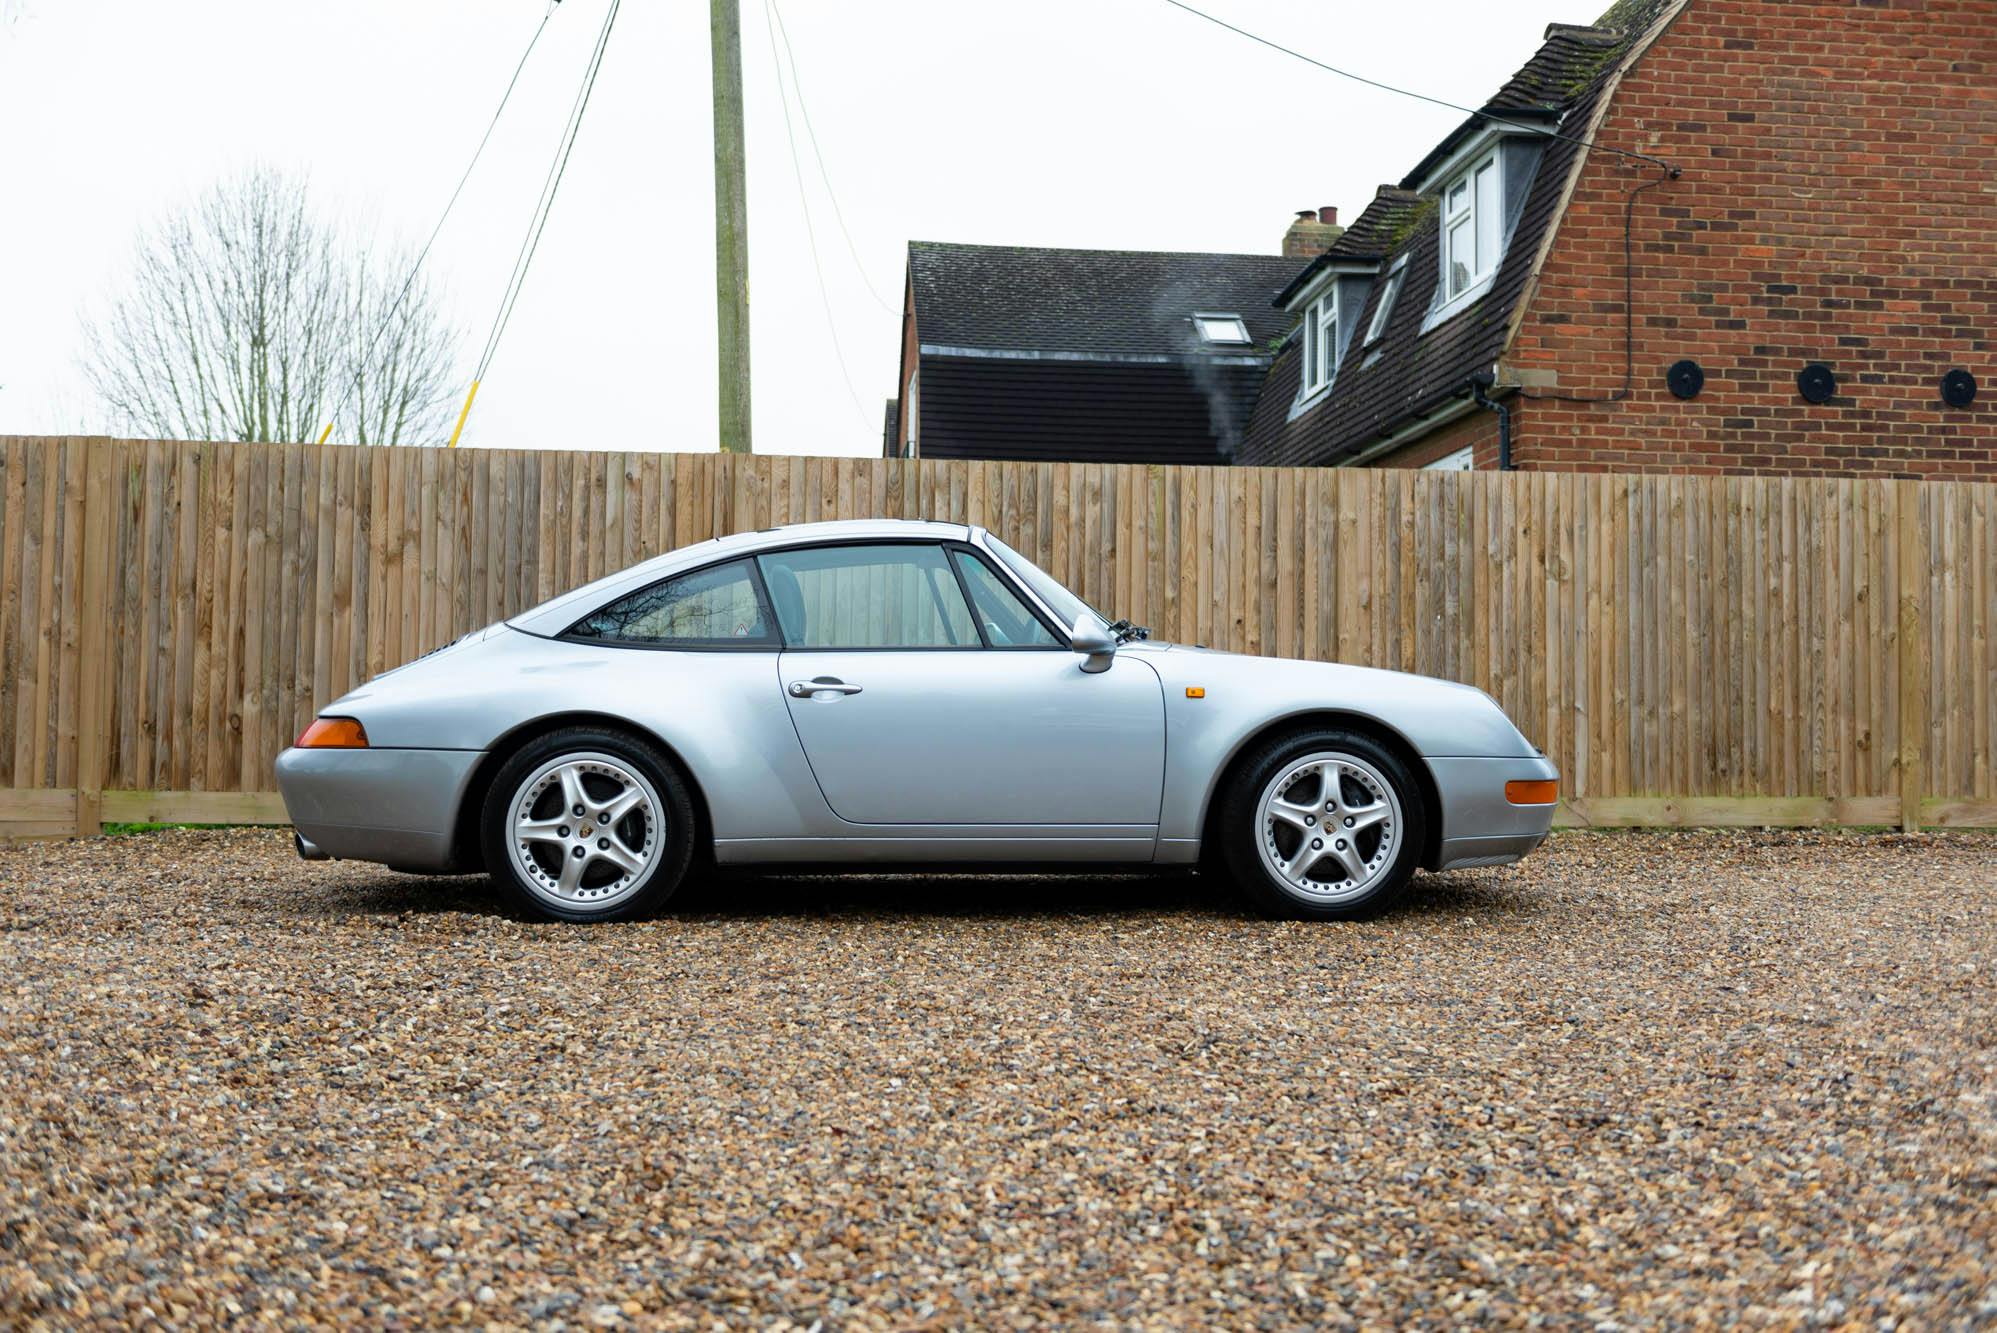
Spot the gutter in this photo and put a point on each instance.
(1101, 358)
(1474, 395)
(1451, 410)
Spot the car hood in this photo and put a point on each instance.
(1182, 658)
(1438, 717)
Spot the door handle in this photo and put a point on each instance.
(804, 689)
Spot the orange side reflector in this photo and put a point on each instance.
(1196, 691)
(333, 733)
(1540, 791)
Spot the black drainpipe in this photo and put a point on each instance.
(1480, 382)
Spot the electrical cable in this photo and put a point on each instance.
(1629, 310)
(838, 214)
(551, 184)
(810, 234)
(417, 267)
(1420, 97)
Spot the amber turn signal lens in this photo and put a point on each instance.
(333, 733)
(1535, 791)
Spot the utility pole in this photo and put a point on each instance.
(731, 225)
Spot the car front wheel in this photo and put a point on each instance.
(588, 825)
(1322, 824)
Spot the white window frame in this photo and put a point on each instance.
(1478, 220)
(1459, 461)
(1201, 317)
(1320, 341)
(1383, 310)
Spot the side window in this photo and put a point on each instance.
(1006, 620)
(887, 596)
(715, 607)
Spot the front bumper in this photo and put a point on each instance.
(398, 807)
(1479, 826)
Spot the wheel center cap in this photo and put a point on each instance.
(587, 830)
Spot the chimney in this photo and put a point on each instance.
(1312, 233)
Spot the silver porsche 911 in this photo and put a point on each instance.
(896, 694)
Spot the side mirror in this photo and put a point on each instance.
(1089, 637)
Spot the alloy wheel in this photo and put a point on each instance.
(1328, 826)
(583, 830)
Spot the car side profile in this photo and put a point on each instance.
(902, 694)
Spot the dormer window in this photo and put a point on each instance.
(1227, 330)
(1320, 342)
(1383, 309)
(1471, 240)
(1472, 223)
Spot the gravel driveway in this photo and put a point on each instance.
(1641, 1078)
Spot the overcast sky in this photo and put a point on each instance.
(1096, 123)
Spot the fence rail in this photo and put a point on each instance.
(1689, 650)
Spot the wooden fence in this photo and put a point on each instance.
(1690, 651)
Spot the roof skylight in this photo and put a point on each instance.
(1221, 328)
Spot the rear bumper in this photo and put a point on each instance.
(398, 807)
(1479, 826)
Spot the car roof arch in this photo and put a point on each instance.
(555, 615)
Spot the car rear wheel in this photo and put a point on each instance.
(588, 825)
(1322, 824)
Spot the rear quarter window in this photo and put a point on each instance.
(719, 606)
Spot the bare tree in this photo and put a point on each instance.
(250, 319)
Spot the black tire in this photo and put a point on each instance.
(1240, 829)
(668, 843)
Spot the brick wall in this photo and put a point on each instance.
(1838, 204)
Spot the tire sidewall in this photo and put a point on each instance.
(672, 855)
(1240, 835)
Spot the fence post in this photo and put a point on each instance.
(100, 530)
(1911, 643)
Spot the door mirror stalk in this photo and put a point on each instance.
(1089, 637)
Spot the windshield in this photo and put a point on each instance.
(1060, 601)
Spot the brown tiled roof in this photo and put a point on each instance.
(1409, 374)
(1381, 226)
(1567, 61)
(1378, 232)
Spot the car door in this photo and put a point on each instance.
(913, 710)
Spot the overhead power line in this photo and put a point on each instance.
(551, 184)
(804, 112)
(810, 233)
(417, 267)
(1420, 97)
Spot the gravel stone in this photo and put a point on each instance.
(1640, 1080)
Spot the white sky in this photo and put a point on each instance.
(1099, 123)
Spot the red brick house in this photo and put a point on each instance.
(1806, 195)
